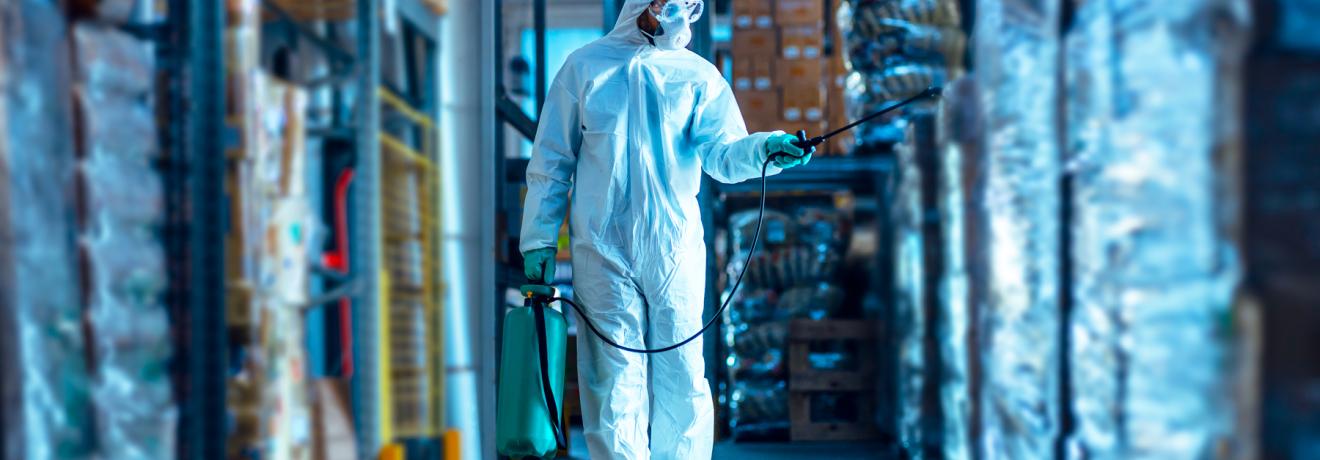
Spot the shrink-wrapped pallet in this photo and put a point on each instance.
(960, 155)
(123, 206)
(895, 49)
(1015, 53)
(46, 407)
(1160, 334)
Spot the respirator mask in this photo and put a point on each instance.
(675, 18)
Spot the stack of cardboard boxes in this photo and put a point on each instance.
(269, 236)
(783, 77)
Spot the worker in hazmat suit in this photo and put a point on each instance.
(629, 124)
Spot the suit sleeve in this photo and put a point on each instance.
(554, 161)
(728, 154)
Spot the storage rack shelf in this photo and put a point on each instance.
(190, 47)
(864, 176)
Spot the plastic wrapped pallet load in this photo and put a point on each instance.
(1016, 56)
(46, 411)
(123, 205)
(960, 155)
(912, 288)
(1157, 324)
(894, 49)
(793, 276)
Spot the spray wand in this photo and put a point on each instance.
(804, 143)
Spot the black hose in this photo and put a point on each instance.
(756, 238)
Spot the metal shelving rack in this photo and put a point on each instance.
(415, 370)
(365, 230)
(866, 175)
(190, 48)
(372, 395)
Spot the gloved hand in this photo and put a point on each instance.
(539, 265)
(783, 143)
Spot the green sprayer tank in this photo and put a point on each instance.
(523, 421)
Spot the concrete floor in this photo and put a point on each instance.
(729, 450)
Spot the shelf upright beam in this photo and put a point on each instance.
(490, 186)
(538, 21)
(204, 407)
(365, 231)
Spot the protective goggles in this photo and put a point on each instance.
(672, 10)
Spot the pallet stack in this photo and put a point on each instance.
(42, 344)
(783, 76)
(780, 368)
(267, 252)
(121, 206)
(896, 49)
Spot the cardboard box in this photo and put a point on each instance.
(799, 12)
(801, 41)
(803, 103)
(755, 43)
(753, 74)
(741, 74)
(799, 71)
(757, 103)
(760, 109)
(749, 14)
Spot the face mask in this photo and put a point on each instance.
(675, 19)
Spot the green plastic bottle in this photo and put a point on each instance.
(523, 426)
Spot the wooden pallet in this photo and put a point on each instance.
(806, 381)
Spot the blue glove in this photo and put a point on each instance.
(539, 265)
(783, 143)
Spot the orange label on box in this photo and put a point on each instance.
(757, 102)
(755, 43)
(799, 71)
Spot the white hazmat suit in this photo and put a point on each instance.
(630, 128)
